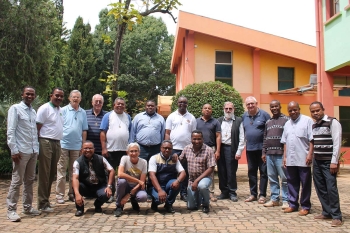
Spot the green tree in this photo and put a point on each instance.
(214, 93)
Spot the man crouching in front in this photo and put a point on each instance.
(90, 180)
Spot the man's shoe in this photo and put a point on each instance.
(79, 213)
(285, 205)
(31, 211)
(205, 209)
(13, 216)
(233, 198)
(271, 203)
(47, 209)
(135, 205)
(154, 206)
(289, 210)
(118, 212)
(98, 209)
(322, 217)
(60, 201)
(336, 223)
(183, 197)
(169, 208)
(250, 198)
(304, 212)
(71, 197)
(111, 199)
(222, 197)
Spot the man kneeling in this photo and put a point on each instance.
(132, 173)
(90, 180)
(163, 173)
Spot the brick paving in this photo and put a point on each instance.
(224, 216)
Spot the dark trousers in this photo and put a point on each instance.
(227, 169)
(254, 163)
(296, 176)
(93, 191)
(146, 152)
(326, 188)
(185, 181)
(114, 158)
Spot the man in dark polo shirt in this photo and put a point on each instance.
(211, 130)
(94, 118)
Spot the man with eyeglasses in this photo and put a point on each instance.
(74, 134)
(93, 176)
(232, 145)
(178, 129)
(94, 119)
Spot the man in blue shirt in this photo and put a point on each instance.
(74, 134)
(254, 121)
(94, 119)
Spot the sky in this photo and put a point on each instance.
(292, 19)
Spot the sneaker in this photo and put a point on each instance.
(337, 223)
(118, 212)
(47, 209)
(60, 201)
(272, 203)
(285, 205)
(13, 216)
(32, 211)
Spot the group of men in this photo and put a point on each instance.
(175, 156)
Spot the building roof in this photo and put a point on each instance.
(238, 34)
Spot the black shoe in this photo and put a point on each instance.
(154, 206)
(222, 196)
(118, 212)
(233, 198)
(71, 197)
(79, 213)
(98, 209)
(183, 197)
(169, 208)
(205, 209)
(135, 205)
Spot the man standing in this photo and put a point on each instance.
(211, 130)
(327, 142)
(201, 163)
(22, 139)
(254, 121)
(273, 156)
(164, 176)
(298, 140)
(90, 179)
(49, 123)
(94, 119)
(178, 129)
(232, 145)
(115, 128)
(74, 134)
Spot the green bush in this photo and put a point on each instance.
(213, 93)
(5, 158)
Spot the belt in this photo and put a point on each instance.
(50, 139)
(149, 145)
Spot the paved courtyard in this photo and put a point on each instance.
(224, 216)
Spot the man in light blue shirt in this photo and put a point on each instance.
(75, 128)
(22, 139)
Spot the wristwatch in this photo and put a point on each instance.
(110, 186)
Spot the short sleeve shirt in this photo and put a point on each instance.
(51, 118)
(209, 129)
(134, 170)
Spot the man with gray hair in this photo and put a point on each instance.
(74, 134)
(94, 119)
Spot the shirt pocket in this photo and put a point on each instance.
(23, 116)
(301, 133)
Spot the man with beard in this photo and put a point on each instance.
(49, 124)
(298, 139)
(148, 130)
(74, 134)
(22, 139)
(327, 143)
(178, 129)
(254, 121)
(232, 145)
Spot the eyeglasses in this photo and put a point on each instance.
(98, 102)
(228, 108)
(88, 148)
(167, 148)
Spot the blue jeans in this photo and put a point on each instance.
(201, 196)
(275, 170)
(172, 193)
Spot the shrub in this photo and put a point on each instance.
(213, 93)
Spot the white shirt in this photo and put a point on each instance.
(226, 127)
(51, 119)
(118, 132)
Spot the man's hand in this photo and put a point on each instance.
(284, 161)
(175, 185)
(162, 196)
(105, 153)
(333, 168)
(125, 199)
(79, 200)
(142, 184)
(108, 191)
(174, 158)
(194, 186)
(238, 157)
(263, 157)
(308, 159)
(217, 155)
(16, 157)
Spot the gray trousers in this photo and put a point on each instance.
(22, 173)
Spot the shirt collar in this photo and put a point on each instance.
(296, 120)
(51, 104)
(145, 113)
(70, 108)
(178, 113)
(92, 112)
(202, 148)
(25, 106)
(232, 119)
(166, 160)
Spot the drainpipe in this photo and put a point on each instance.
(318, 8)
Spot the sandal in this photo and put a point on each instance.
(213, 198)
(250, 198)
(262, 200)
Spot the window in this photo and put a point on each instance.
(285, 78)
(343, 81)
(333, 7)
(223, 67)
(344, 119)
